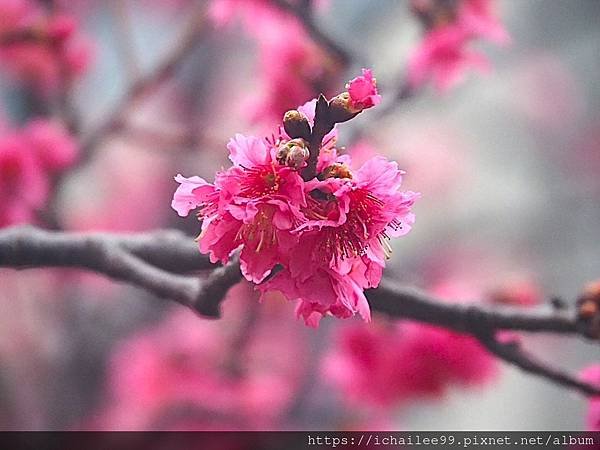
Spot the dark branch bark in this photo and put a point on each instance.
(147, 260)
(397, 301)
(512, 353)
(304, 16)
(155, 261)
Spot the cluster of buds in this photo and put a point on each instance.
(588, 310)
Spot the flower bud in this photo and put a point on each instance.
(340, 108)
(296, 124)
(293, 153)
(588, 310)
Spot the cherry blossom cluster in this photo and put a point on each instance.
(444, 55)
(40, 47)
(292, 202)
(29, 158)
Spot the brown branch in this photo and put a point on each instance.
(153, 261)
(303, 13)
(147, 260)
(471, 318)
(512, 353)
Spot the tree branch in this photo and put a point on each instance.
(303, 13)
(512, 353)
(155, 261)
(147, 260)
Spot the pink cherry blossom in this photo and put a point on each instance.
(292, 66)
(480, 19)
(342, 243)
(254, 204)
(363, 91)
(328, 235)
(443, 56)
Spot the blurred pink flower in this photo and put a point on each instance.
(28, 158)
(292, 67)
(592, 375)
(479, 18)
(23, 181)
(123, 198)
(41, 49)
(385, 364)
(184, 373)
(53, 145)
(443, 56)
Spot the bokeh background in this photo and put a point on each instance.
(507, 163)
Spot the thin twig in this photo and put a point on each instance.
(512, 353)
(306, 19)
(139, 89)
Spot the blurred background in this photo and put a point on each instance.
(507, 161)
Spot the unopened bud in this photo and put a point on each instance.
(340, 108)
(293, 153)
(296, 124)
(336, 170)
(588, 310)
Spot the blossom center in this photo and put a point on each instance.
(260, 181)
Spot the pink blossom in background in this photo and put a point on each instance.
(29, 157)
(480, 19)
(592, 375)
(444, 56)
(15, 13)
(52, 47)
(123, 199)
(385, 364)
(184, 373)
(53, 145)
(292, 67)
(23, 184)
